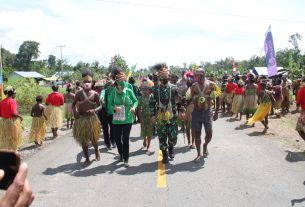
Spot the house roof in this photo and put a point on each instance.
(62, 74)
(29, 74)
(262, 70)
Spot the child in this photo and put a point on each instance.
(39, 127)
(69, 98)
(238, 100)
(264, 108)
(144, 113)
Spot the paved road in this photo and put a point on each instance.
(241, 170)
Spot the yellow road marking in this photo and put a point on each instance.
(161, 183)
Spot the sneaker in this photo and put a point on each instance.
(126, 164)
(113, 145)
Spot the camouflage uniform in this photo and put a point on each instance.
(167, 130)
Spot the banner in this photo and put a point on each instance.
(1, 76)
(270, 54)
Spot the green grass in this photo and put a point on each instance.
(27, 121)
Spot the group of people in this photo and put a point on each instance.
(161, 102)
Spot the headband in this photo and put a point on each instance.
(87, 78)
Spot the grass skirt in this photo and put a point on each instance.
(54, 116)
(238, 104)
(229, 98)
(11, 133)
(38, 129)
(261, 112)
(301, 122)
(250, 104)
(223, 96)
(87, 129)
(68, 111)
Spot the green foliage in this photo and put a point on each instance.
(27, 90)
(118, 61)
(52, 62)
(28, 51)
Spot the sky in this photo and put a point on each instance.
(150, 31)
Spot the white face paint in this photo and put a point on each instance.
(87, 86)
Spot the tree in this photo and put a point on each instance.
(28, 51)
(52, 62)
(8, 61)
(293, 39)
(118, 61)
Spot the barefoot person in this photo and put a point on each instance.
(263, 109)
(300, 102)
(54, 101)
(39, 126)
(250, 101)
(86, 128)
(69, 98)
(10, 130)
(164, 111)
(144, 113)
(201, 92)
(238, 100)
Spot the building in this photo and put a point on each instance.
(25, 75)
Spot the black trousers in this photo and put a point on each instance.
(121, 135)
(107, 127)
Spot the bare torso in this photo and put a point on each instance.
(86, 101)
(37, 110)
(200, 92)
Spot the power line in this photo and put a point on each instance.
(201, 11)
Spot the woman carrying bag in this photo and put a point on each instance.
(123, 102)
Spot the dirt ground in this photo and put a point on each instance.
(281, 130)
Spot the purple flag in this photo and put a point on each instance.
(270, 54)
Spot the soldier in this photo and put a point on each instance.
(164, 112)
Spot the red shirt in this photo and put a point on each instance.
(8, 107)
(240, 91)
(301, 97)
(231, 87)
(259, 87)
(55, 99)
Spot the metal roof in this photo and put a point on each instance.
(29, 74)
(262, 70)
(63, 73)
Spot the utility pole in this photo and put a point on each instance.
(61, 46)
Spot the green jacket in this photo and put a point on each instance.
(105, 96)
(127, 98)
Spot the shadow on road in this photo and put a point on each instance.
(242, 127)
(169, 168)
(28, 148)
(300, 200)
(294, 201)
(67, 169)
(255, 134)
(295, 156)
(232, 120)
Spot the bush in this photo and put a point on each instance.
(27, 90)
